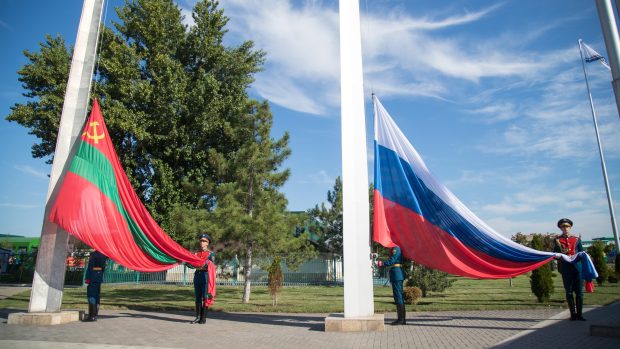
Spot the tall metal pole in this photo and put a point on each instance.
(600, 151)
(49, 276)
(358, 292)
(612, 43)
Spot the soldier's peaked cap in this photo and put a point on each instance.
(565, 221)
(205, 236)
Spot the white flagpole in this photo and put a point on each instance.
(358, 292)
(600, 151)
(612, 43)
(49, 276)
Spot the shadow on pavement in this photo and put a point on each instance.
(559, 332)
(311, 322)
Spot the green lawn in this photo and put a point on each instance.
(465, 294)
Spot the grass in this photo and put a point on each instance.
(465, 294)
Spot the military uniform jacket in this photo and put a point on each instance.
(96, 267)
(395, 261)
(568, 245)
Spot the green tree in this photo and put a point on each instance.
(609, 248)
(541, 281)
(520, 238)
(172, 97)
(6, 244)
(428, 280)
(597, 252)
(251, 212)
(327, 220)
(275, 279)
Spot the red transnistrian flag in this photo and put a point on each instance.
(97, 204)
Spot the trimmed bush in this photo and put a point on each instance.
(613, 278)
(412, 294)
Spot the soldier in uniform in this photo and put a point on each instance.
(571, 272)
(94, 278)
(203, 292)
(396, 279)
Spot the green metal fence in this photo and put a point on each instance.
(320, 271)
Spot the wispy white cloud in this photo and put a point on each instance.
(322, 177)
(30, 171)
(494, 112)
(402, 56)
(425, 23)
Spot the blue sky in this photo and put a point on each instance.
(490, 93)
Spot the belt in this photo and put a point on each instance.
(396, 265)
(97, 268)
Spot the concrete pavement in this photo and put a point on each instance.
(536, 328)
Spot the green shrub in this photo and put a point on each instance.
(412, 294)
(427, 279)
(597, 252)
(275, 280)
(613, 278)
(541, 281)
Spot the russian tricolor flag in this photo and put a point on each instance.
(433, 227)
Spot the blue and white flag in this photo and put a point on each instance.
(591, 56)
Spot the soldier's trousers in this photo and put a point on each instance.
(93, 292)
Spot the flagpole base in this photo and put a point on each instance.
(44, 319)
(339, 323)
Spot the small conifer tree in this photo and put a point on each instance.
(275, 280)
(597, 252)
(541, 281)
(427, 279)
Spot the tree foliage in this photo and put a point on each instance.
(520, 238)
(428, 280)
(196, 148)
(251, 212)
(327, 220)
(172, 97)
(597, 252)
(541, 281)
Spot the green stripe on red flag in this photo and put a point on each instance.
(90, 164)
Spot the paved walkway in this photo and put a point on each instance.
(537, 328)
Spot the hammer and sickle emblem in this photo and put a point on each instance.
(96, 137)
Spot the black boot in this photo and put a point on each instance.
(91, 313)
(399, 314)
(198, 308)
(403, 310)
(96, 311)
(203, 315)
(571, 307)
(580, 309)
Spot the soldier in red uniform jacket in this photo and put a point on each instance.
(571, 272)
(204, 280)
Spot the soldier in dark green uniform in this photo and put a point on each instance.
(396, 279)
(94, 278)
